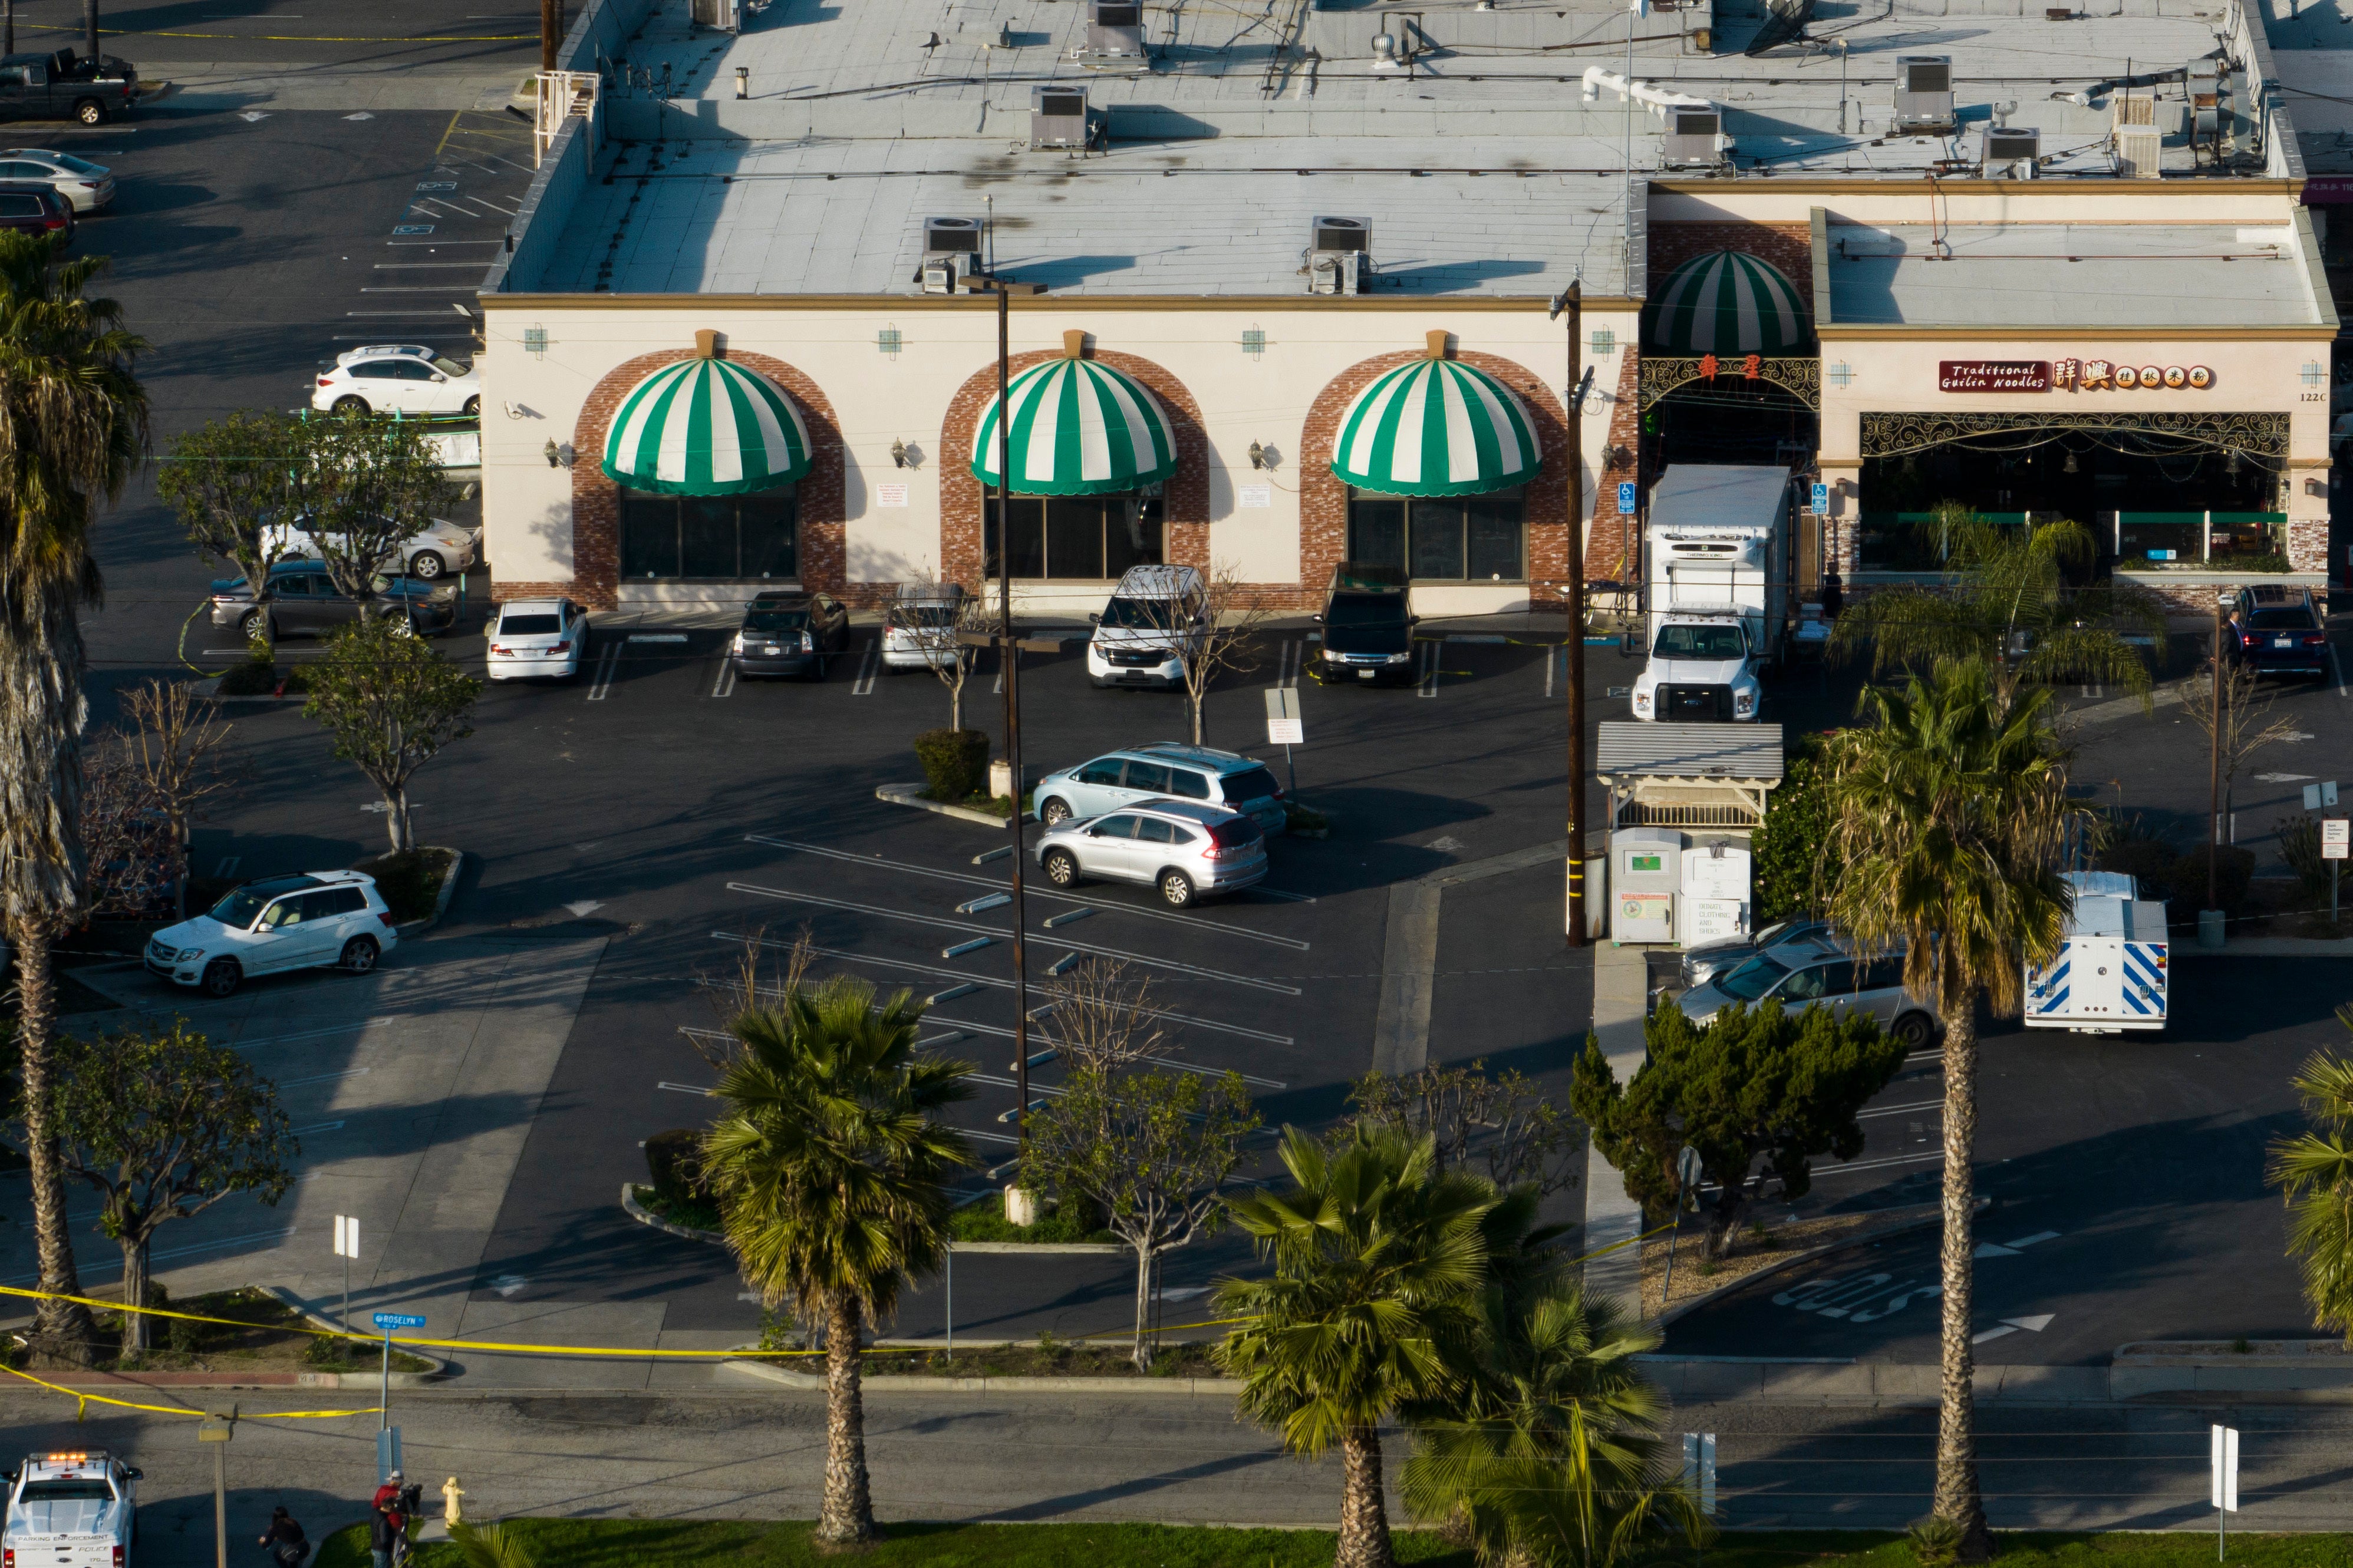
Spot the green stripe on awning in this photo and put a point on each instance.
(1079, 428)
(1727, 303)
(706, 427)
(1436, 427)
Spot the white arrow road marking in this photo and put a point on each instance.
(2033, 1325)
(584, 908)
(2030, 1240)
(1987, 1249)
(1992, 1334)
(362, 115)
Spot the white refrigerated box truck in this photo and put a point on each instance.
(2112, 970)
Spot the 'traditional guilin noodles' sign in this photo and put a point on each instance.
(2067, 375)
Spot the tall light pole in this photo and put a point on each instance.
(1571, 303)
(2214, 771)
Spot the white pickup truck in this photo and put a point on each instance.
(77, 1510)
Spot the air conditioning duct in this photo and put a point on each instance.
(2140, 152)
(1924, 93)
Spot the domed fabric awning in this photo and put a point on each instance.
(706, 427)
(1079, 428)
(1436, 427)
(1726, 303)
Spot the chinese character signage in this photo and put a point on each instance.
(2068, 376)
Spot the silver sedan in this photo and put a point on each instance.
(82, 184)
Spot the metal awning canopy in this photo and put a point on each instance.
(1688, 775)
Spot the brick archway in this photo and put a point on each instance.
(596, 500)
(1185, 497)
(1323, 499)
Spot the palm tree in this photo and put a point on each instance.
(2314, 1171)
(73, 424)
(1551, 1454)
(1378, 1258)
(1948, 810)
(2010, 609)
(491, 1546)
(830, 1166)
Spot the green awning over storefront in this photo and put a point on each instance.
(1079, 428)
(704, 426)
(1436, 427)
(1727, 303)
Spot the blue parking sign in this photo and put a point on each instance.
(1821, 499)
(1625, 498)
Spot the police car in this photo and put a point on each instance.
(70, 1510)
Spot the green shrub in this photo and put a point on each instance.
(675, 1160)
(325, 1351)
(1793, 871)
(254, 678)
(2299, 842)
(956, 762)
(409, 880)
(2234, 870)
(1935, 1541)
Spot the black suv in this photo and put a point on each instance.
(303, 601)
(36, 210)
(791, 634)
(2280, 631)
(1368, 627)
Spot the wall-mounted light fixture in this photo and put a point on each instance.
(742, 81)
(1257, 456)
(558, 456)
(898, 453)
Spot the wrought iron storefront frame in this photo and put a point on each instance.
(2255, 435)
(1800, 376)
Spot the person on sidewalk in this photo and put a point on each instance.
(386, 1523)
(285, 1539)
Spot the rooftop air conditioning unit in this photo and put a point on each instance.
(1339, 258)
(2010, 151)
(2203, 81)
(1924, 92)
(1694, 138)
(1058, 118)
(1115, 29)
(951, 254)
(2140, 152)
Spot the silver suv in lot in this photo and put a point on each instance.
(1187, 848)
(1821, 972)
(327, 920)
(1164, 768)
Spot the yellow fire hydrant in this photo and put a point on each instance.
(450, 1493)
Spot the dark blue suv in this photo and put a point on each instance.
(2280, 631)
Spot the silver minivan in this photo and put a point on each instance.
(1821, 973)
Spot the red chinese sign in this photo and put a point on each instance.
(1993, 375)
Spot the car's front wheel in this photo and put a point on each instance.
(402, 627)
(427, 564)
(222, 976)
(1061, 867)
(1913, 1031)
(351, 404)
(1176, 889)
(358, 956)
(1055, 812)
(473, 407)
(89, 111)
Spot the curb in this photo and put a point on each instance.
(1226, 1388)
(286, 1298)
(209, 691)
(644, 1215)
(441, 900)
(1915, 1219)
(912, 794)
(1045, 1248)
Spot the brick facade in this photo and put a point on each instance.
(596, 500)
(1789, 247)
(1612, 550)
(1323, 499)
(1185, 497)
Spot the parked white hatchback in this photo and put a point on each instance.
(537, 637)
(326, 920)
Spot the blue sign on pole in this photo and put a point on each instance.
(1625, 498)
(1821, 499)
(397, 1321)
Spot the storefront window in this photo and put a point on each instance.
(2250, 541)
(1449, 539)
(733, 537)
(1085, 539)
(2158, 538)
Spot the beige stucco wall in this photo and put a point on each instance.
(531, 398)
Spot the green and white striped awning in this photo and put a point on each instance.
(1079, 428)
(706, 427)
(1726, 303)
(1436, 427)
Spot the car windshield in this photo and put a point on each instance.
(1699, 642)
(90, 1490)
(236, 911)
(2282, 620)
(529, 625)
(1151, 614)
(1751, 980)
(1364, 610)
(776, 620)
(450, 366)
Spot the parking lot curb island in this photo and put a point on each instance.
(441, 899)
(1222, 1387)
(912, 794)
(644, 1215)
(287, 1299)
(1917, 1216)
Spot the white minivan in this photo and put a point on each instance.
(1144, 635)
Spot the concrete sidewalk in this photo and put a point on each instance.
(342, 88)
(1621, 1001)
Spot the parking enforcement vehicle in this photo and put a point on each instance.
(74, 1510)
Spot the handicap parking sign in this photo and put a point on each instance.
(1625, 498)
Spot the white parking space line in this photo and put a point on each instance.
(315, 1127)
(973, 982)
(1172, 1063)
(1168, 916)
(1289, 656)
(1897, 1110)
(1879, 1164)
(352, 1028)
(1552, 657)
(723, 685)
(867, 663)
(2336, 666)
(1146, 960)
(228, 867)
(323, 1077)
(1430, 668)
(100, 1266)
(684, 1088)
(607, 661)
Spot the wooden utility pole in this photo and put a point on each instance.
(1572, 304)
(551, 32)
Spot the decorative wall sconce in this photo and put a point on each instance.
(559, 456)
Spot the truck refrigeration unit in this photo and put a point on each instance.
(1719, 578)
(2112, 968)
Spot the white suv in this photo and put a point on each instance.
(406, 377)
(77, 1510)
(326, 919)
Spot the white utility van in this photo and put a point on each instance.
(2111, 972)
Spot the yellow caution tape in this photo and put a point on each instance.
(83, 1401)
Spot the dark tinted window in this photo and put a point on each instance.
(1149, 776)
(1180, 836)
(1156, 831)
(1364, 610)
(1145, 614)
(22, 207)
(1884, 974)
(1115, 827)
(776, 620)
(1699, 642)
(92, 1489)
(2282, 620)
(345, 901)
(411, 369)
(1251, 783)
(1751, 980)
(376, 370)
(512, 625)
(1820, 980)
(1105, 772)
(1235, 830)
(1187, 784)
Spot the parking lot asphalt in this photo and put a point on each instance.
(159, 35)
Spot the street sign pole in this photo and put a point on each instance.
(1686, 1172)
(217, 1429)
(388, 1321)
(1699, 1469)
(2225, 1471)
(1285, 727)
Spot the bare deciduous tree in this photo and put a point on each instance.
(1098, 1018)
(1500, 1120)
(1213, 628)
(173, 743)
(2247, 726)
(950, 648)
